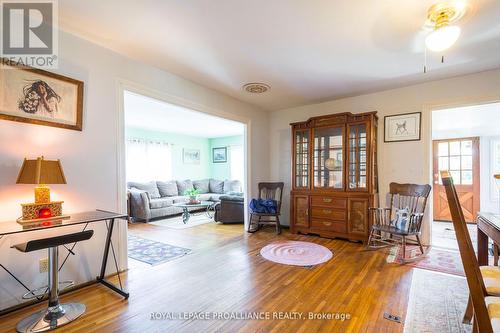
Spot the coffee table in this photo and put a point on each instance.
(185, 207)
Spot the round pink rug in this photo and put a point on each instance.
(296, 253)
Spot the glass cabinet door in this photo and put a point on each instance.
(302, 158)
(328, 157)
(357, 166)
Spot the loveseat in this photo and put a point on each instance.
(155, 199)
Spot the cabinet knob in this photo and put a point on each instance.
(327, 223)
(327, 211)
(327, 200)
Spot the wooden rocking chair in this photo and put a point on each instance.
(409, 200)
(272, 191)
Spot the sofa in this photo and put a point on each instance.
(230, 209)
(155, 199)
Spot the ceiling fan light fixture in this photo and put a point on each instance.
(440, 17)
(442, 38)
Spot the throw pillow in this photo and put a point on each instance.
(168, 189)
(401, 221)
(149, 187)
(232, 186)
(184, 185)
(216, 186)
(202, 185)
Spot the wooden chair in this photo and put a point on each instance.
(272, 191)
(483, 307)
(412, 197)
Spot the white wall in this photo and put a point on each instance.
(89, 158)
(398, 161)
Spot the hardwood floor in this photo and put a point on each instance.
(224, 273)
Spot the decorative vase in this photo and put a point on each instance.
(193, 199)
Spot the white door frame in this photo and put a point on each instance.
(427, 123)
(125, 85)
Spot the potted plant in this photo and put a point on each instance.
(193, 195)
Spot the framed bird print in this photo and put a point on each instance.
(402, 127)
(35, 96)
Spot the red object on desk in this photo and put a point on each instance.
(44, 213)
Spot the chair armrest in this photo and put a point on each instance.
(139, 204)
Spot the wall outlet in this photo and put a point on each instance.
(44, 265)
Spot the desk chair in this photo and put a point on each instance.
(56, 314)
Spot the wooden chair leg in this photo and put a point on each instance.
(495, 254)
(420, 244)
(278, 226)
(368, 244)
(403, 243)
(469, 312)
(250, 224)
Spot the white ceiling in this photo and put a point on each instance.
(151, 114)
(308, 51)
(477, 120)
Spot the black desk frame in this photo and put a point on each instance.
(99, 279)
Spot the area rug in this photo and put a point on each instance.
(437, 303)
(296, 253)
(437, 259)
(152, 252)
(176, 222)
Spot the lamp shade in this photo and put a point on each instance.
(41, 171)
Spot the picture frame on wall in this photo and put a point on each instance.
(191, 156)
(403, 127)
(34, 96)
(219, 155)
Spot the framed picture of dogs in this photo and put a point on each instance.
(35, 96)
(402, 127)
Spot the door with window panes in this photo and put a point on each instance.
(461, 158)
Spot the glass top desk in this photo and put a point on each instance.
(85, 218)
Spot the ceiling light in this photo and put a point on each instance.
(439, 17)
(442, 38)
(256, 87)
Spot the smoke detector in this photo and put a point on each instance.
(256, 87)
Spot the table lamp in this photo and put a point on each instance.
(41, 172)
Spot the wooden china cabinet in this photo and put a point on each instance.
(334, 175)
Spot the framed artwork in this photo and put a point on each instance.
(402, 127)
(35, 96)
(219, 155)
(191, 156)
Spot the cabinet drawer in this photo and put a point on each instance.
(329, 202)
(336, 226)
(328, 213)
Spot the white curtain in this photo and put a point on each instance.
(148, 160)
(237, 163)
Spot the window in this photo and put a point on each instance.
(148, 160)
(456, 156)
(237, 161)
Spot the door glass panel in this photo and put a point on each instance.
(443, 163)
(454, 148)
(467, 162)
(456, 177)
(443, 149)
(467, 147)
(457, 156)
(467, 177)
(328, 157)
(454, 162)
(301, 158)
(357, 156)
